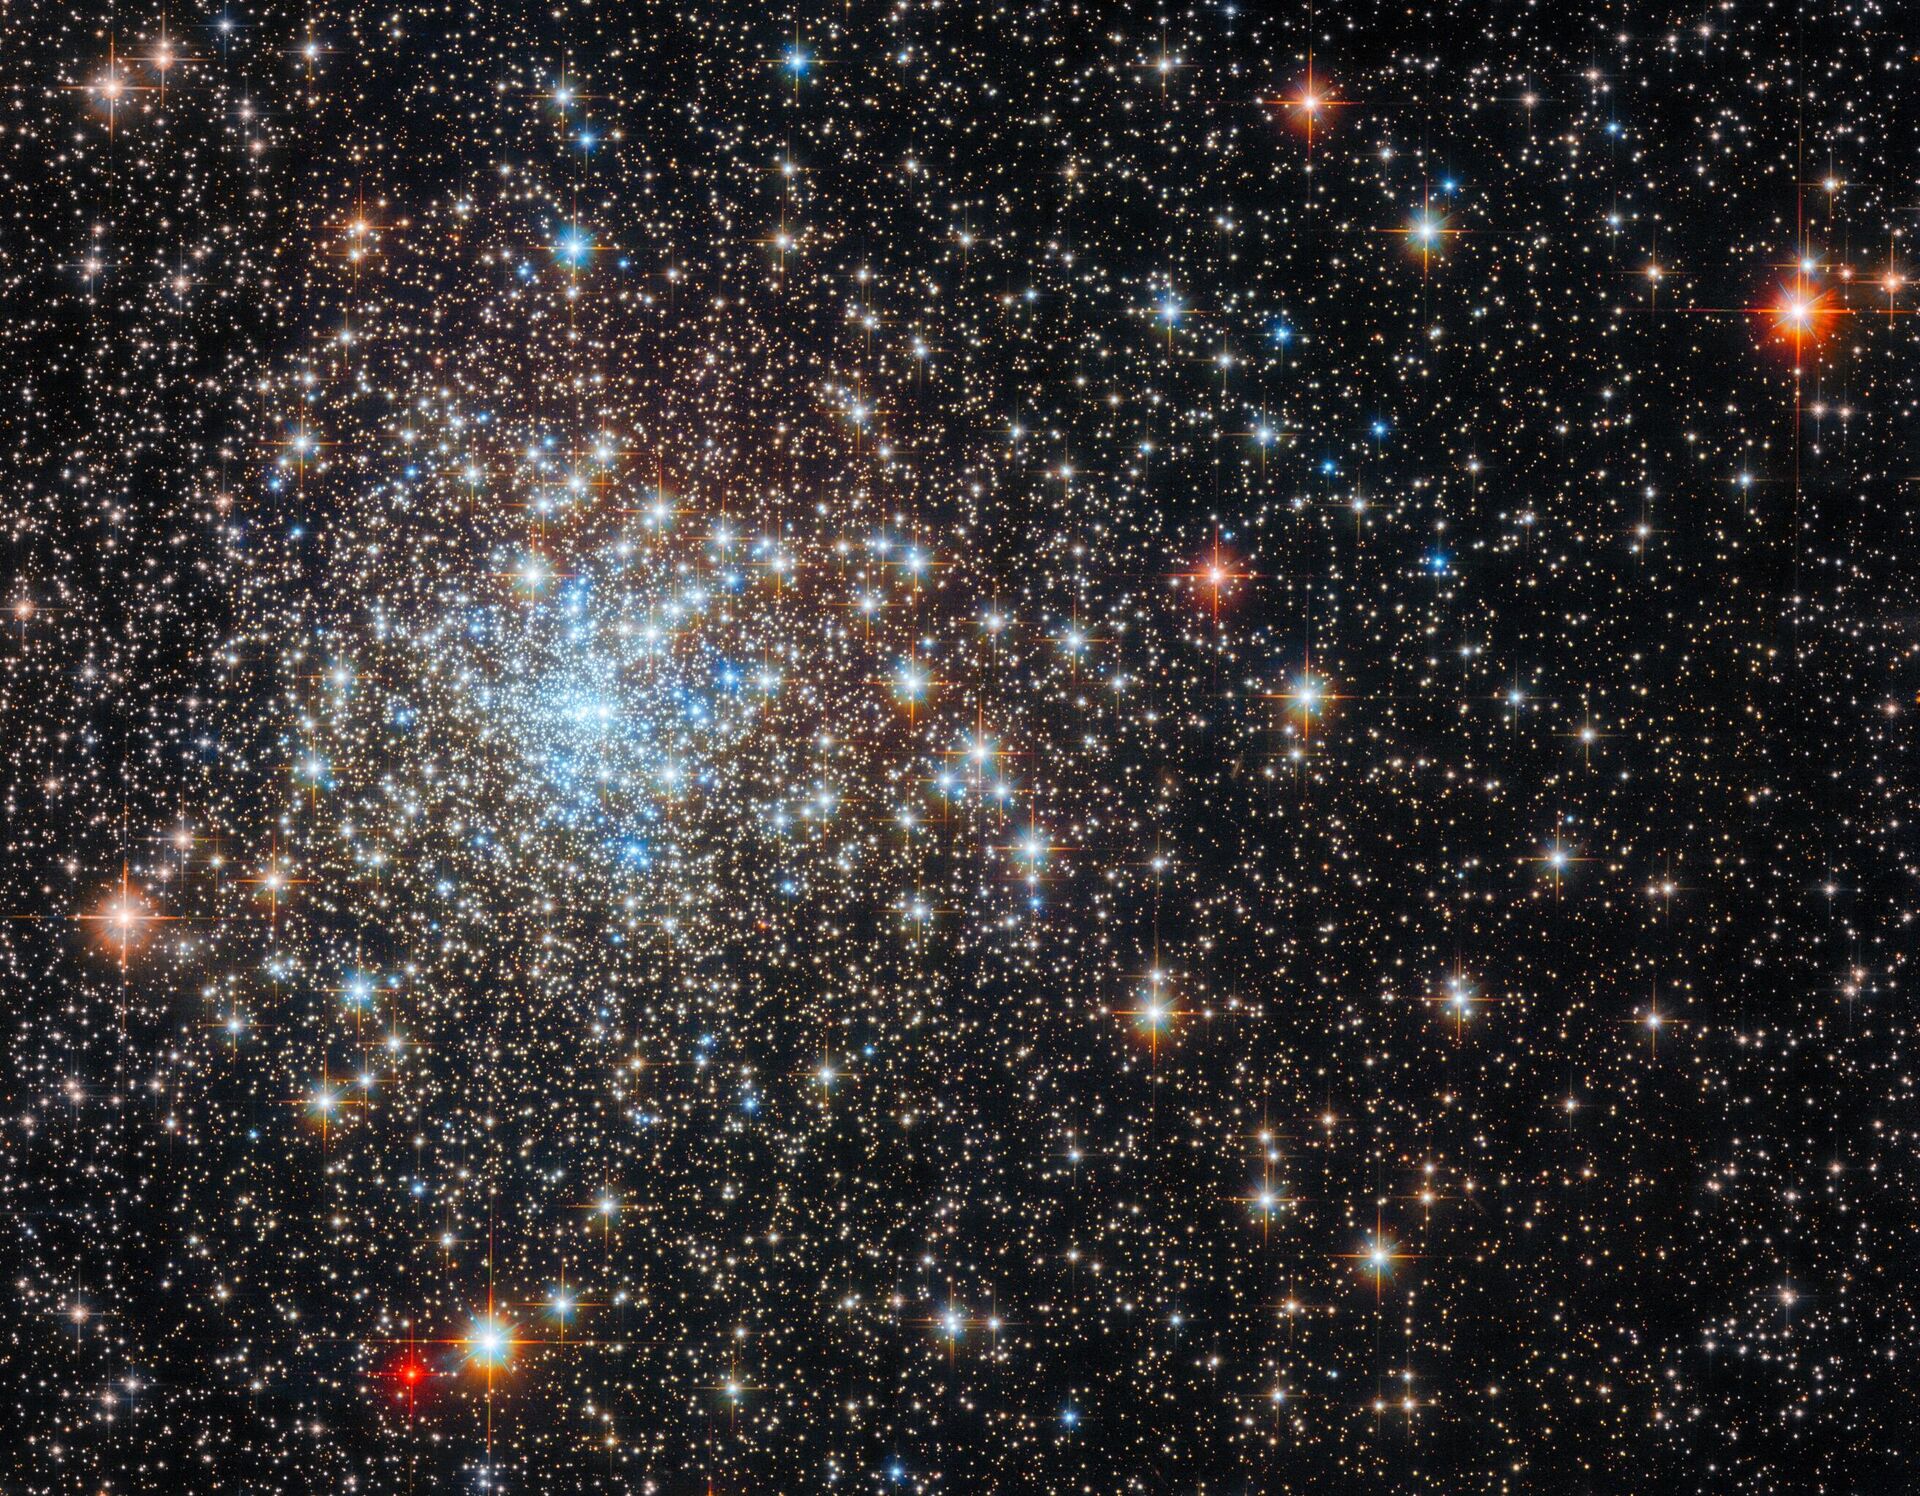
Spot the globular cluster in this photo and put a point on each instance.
(959, 747)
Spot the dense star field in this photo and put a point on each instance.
(958, 747)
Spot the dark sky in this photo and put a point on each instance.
(958, 747)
